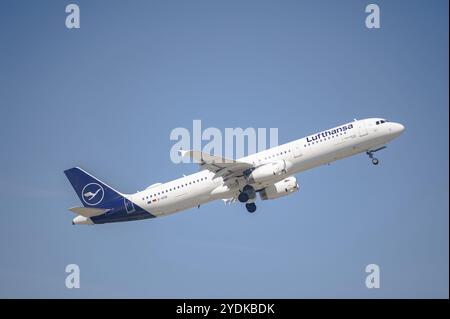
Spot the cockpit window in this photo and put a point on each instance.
(381, 122)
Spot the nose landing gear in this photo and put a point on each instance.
(375, 160)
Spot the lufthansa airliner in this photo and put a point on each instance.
(269, 173)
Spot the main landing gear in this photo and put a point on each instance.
(251, 207)
(375, 160)
(248, 196)
(243, 197)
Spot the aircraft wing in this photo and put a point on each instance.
(227, 168)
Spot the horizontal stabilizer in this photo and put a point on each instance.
(88, 212)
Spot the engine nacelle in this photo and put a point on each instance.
(280, 189)
(267, 172)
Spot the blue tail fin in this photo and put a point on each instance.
(91, 191)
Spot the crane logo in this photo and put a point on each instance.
(92, 194)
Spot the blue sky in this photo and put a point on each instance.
(106, 97)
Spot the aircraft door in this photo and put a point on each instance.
(362, 129)
(297, 151)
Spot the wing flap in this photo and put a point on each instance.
(219, 165)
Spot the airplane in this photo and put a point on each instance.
(269, 173)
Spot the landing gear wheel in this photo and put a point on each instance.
(243, 197)
(375, 161)
(251, 208)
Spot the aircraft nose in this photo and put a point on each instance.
(397, 128)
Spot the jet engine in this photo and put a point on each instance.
(267, 172)
(280, 189)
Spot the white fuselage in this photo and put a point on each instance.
(300, 155)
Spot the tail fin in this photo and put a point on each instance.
(91, 191)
